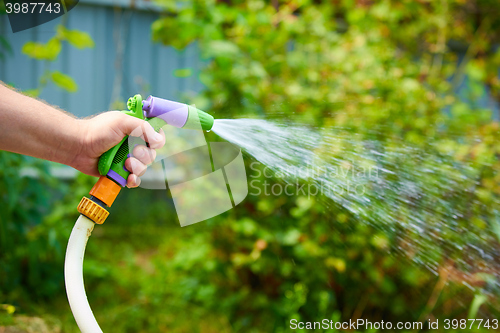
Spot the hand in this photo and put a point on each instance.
(99, 134)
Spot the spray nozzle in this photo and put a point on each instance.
(157, 112)
(177, 114)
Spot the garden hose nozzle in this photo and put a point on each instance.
(177, 114)
(111, 166)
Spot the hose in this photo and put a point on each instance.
(73, 276)
(111, 167)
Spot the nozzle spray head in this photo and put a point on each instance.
(177, 114)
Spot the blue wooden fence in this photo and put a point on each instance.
(145, 67)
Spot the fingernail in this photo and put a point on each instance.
(133, 181)
(158, 137)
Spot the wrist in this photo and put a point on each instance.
(71, 152)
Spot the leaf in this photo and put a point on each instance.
(478, 300)
(5, 44)
(475, 71)
(221, 48)
(64, 81)
(78, 39)
(53, 48)
(34, 50)
(183, 72)
(10, 309)
(291, 237)
(337, 263)
(40, 51)
(32, 92)
(178, 33)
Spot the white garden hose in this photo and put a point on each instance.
(73, 276)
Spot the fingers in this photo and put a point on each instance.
(140, 128)
(144, 154)
(133, 181)
(136, 169)
(146, 132)
(156, 140)
(137, 165)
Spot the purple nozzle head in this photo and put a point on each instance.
(177, 114)
(173, 113)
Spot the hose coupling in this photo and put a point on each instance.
(103, 194)
(92, 210)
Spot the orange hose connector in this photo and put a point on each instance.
(105, 190)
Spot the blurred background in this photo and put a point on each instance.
(421, 72)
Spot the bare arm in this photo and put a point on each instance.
(31, 127)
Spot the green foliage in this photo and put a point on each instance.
(26, 256)
(5, 47)
(78, 39)
(35, 215)
(49, 52)
(64, 81)
(383, 70)
(184, 72)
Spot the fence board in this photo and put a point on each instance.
(146, 67)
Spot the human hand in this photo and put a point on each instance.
(97, 135)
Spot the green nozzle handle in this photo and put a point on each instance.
(112, 162)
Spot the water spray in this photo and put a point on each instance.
(94, 210)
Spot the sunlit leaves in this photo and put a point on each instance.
(221, 49)
(32, 92)
(64, 81)
(178, 33)
(51, 49)
(48, 51)
(381, 69)
(183, 72)
(78, 39)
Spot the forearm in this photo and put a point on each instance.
(31, 127)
